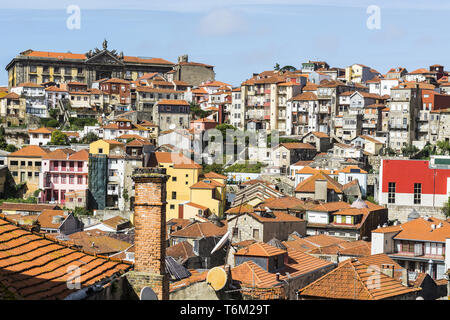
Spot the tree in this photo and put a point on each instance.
(276, 67)
(223, 127)
(125, 195)
(89, 138)
(409, 150)
(197, 112)
(390, 152)
(52, 123)
(444, 147)
(446, 208)
(288, 68)
(59, 138)
(11, 148)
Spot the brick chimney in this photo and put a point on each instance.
(150, 232)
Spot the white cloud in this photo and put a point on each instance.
(222, 22)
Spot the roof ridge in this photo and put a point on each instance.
(359, 278)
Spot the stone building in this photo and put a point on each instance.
(40, 67)
(193, 73)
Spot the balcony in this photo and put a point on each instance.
(398, 126)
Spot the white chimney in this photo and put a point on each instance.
(433, 226)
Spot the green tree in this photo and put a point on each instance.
(409, 150)
(52, 123)
(11, 148)
(288, 68)
(89, 138)
(125, 195)
(59, 138)
(444, 147)
(276, 67)
(197, 112)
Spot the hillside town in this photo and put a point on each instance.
(123, 174)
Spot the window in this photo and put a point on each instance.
(30, 174)
(174, 178)
(417, 193)
(172, 206)
(256, 234)
(100, 150)
(174, 195)
(391, 192)
(235, 232)
(407, 246)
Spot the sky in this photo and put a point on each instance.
(238, 37)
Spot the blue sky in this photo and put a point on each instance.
(238, 37)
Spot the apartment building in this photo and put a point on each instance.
(237, 109)
(34, 95)
(419, 245)
(171, 114)
(25, 167)
(406, 101)
(63, 171)
(13, 109)
(359, 73)
(147, 97)
(265, 97)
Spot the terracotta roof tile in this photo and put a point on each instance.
(34, 267)
(200, 230)
(351, 280)
(29, 151)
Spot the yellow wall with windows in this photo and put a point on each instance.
(94, 147)
(205, 198)
(184, 178)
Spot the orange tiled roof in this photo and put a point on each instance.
(195, 205)
(46, 221)
(181, 251)
(115, 222)
(98, 242)
(351, 280)
(33, 207)
(322, 240)
(240, 209)
(297, 263)
(179, 160)
(29, 151)
(200, 230)
(35, 267)
(305, 96)
(308, 185)
(279, 216)
(283, 203)
(297, 145)
(173, 102)
(206, 184)
(259, 249)
(419, 229)
(42, 130)
(214, 175)
(348, 169)
(331, 206)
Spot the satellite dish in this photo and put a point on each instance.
(147, 293)
(172, 126)
(221, 242)
(216, 278)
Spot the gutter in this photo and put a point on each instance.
(87, 292)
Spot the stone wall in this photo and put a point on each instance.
(401, 212)
(17, 136)
(195, 75)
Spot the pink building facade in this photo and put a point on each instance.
(63, 171)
